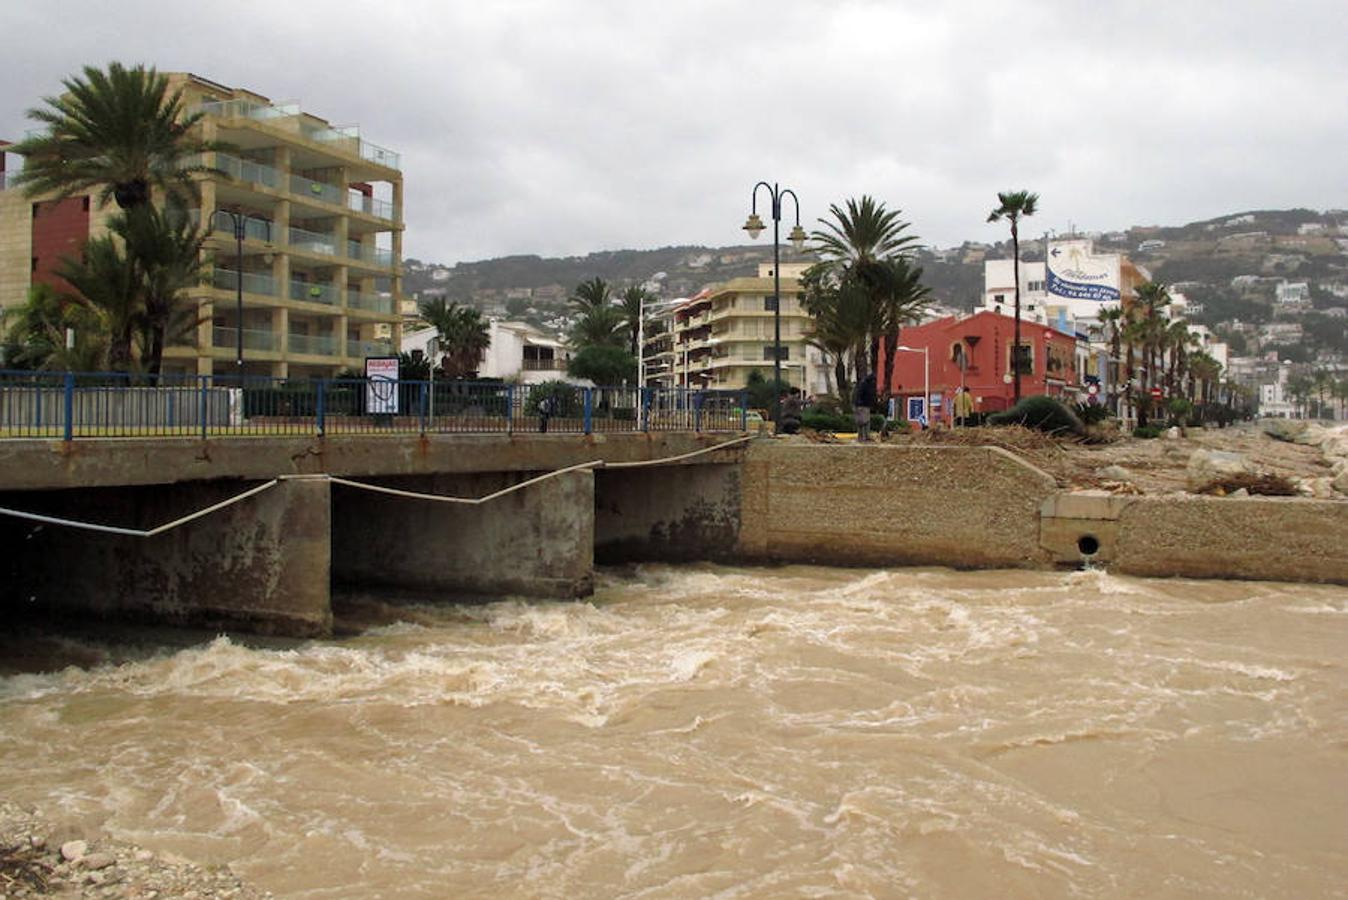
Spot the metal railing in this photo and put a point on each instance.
(317, 190)
(71, 406)
(371, 205)
(245, 170)
(313, 292)
(313, 241)
(253, 282)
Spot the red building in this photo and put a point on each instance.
(974, 352)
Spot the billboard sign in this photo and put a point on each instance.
(1073, 271)
(381, 387)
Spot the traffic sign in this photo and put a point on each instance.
(1156, 393)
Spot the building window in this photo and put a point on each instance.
(770, 303)
(786, 352)
(1026, 359)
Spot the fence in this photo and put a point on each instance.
(71, 406)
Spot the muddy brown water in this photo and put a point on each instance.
(698, 731)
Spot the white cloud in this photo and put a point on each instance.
(564, 127)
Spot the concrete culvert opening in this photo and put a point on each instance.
(1088, 544)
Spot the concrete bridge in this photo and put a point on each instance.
(270, 561)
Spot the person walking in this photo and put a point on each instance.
(791, 412)
(545, 407)
(862, 401)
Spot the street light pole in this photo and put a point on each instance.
(754, 225)
(237, 220)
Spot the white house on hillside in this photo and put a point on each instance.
(518, 352)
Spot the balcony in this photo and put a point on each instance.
(254, 228)
(251, 172)
(544, 365)
(347, 139)
(369, 348)
(380, 256)
(371, 302)
(316, 190)
(381, 209)
(253, 339)
(253, 282)
(313, 292)
(312, 344)
(313, 242)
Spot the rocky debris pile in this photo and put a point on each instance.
(1332, 442)
(32, 864)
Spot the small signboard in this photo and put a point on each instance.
(917, 410)
(1156, 393)
(935, 403)
(381, 388)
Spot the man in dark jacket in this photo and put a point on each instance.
(862, 402)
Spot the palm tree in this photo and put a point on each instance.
(1322, 381)
(903, 305)
(119, 132)
(107, 282)
(36, 337)
(633, 303)
(167, 250)
(600, 326)
(1111, 323)
(591, 294)
(863, 276)
(463, 336)
(1013, 206)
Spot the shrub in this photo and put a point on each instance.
(1042, 414)
(823, 421)
(567, 402)
(1091, 413)
(877, 423)
(1148, 431)
(896, 426)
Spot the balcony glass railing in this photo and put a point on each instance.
(247, 109)
(313, 242)
(312, 344)
(372, 302)
(380, 256)
(254, 228)
(368, 348)
(317, 190)
(378, 155)
(251, 172)
(253, 282)
(253, 339)
(370, 205)
(313, 292)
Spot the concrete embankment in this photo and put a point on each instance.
(269, 562)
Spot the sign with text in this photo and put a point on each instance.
(381, 388)
(1074, 271)
(917, 410)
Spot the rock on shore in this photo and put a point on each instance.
(33, 865)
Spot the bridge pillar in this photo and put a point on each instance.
(260, 565)
(538, 541)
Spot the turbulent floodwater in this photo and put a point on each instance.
(709, 731)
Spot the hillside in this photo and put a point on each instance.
(1230, 265)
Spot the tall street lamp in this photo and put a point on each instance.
(926, 378)
(754, 225)
(240, 221)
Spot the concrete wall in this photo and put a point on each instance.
(537, 541)
(1220, 537)
(670, 513)
(260, 565)
(43, 464)
(972, 507)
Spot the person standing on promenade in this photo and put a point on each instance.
(791, 410)
(544, 413)
(862, 401)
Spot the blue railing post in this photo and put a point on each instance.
(744, 410)
(645, 402)
(70, 406)
(202, 404)
(510, 409)
(589, 410)
(697, 411)
(423, 407)
(319, 422)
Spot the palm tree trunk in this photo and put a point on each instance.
(1015, 347)
(891, 351)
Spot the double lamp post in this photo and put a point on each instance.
(754, 225)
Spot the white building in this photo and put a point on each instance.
(1296, 293)
(518, 352)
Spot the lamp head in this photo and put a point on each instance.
(754, 225)
(797, 238)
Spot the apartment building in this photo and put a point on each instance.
(721, 335)
(320, 264)
(1069, 293)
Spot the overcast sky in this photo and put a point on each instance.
(570, 126)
